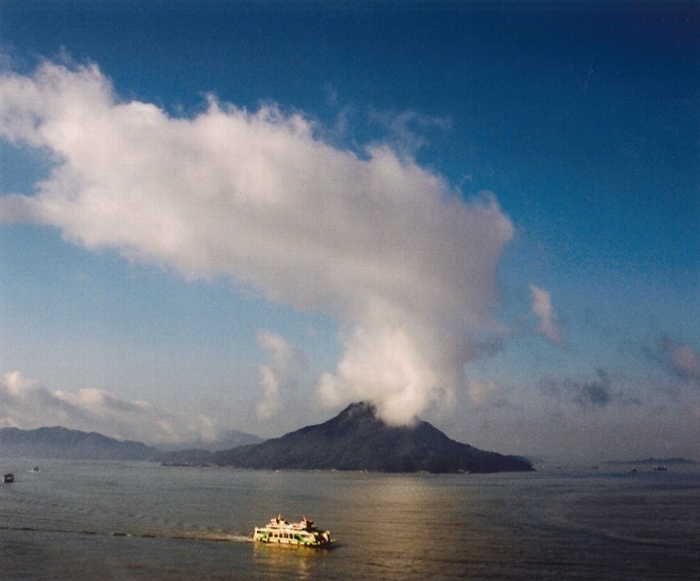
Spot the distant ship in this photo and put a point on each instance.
(302, 533)
(9, 477)
(659, 467)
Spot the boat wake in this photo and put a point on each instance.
(175, 535)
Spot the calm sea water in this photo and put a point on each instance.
(140, 521)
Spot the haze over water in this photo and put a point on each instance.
(130, 521)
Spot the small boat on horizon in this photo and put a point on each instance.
(9, 478)
(659, 468)
(302, 533)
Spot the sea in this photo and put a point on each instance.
(88, 521)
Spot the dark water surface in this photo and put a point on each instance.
(139, 521)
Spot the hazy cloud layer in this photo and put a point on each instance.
(26, 404)
(485, 393)
(385, 246)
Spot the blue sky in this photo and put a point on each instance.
(247, 215)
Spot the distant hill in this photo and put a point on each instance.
(659, 461)
(57, 442)
(227, 440)
(199, 453)
(357, 440)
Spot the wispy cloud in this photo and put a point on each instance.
(485, 393)
(686, 362)
(680, 359)
(26, 404)
(408, 130)
(543, 309)
(596, 393)
(385, 246)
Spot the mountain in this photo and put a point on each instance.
(60, 442)
(356, 440)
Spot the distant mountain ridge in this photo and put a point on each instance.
(58, 442)
(356, 440)
(227, 440)
(652, 461)
(353, 440)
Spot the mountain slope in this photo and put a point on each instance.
(58, 442)
(357, 440)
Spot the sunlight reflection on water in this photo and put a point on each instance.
(82, 521)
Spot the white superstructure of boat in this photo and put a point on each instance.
(302, 533)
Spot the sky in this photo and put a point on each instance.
(247, 215)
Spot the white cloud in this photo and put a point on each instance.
(26, 404)
(270, 403)
(283, 354)
(278, 376)
(542, 308)
(383, 245)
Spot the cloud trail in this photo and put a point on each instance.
(386, 247)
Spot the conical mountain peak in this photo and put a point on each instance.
(357, 440)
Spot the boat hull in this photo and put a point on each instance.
(301, 534)
(273, 540)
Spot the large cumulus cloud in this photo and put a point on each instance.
(382, 244)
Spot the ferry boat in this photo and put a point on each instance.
(302, 533)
